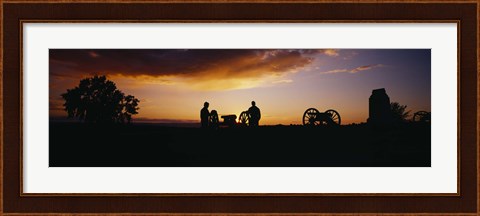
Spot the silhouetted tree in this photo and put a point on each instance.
(98, 100)
(399, 112)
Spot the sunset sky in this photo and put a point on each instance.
(173, 84)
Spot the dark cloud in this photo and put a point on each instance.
(237, 63)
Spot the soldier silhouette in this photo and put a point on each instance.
(254, 113)
(204, 113)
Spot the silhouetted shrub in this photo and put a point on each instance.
(399, 112)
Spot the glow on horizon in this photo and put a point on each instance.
(284, 83)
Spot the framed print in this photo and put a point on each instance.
(239, 107)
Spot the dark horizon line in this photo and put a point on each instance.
(169, 123)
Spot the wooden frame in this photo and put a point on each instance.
(14, 13)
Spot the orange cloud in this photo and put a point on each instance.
(354, 70)
(331, 52)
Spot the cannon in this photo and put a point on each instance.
(421, 116)
(313, 117)
(228, 120)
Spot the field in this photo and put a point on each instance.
(155, 145)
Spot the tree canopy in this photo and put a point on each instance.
(97, 100)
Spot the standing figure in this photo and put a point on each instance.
(254, 113)
(204, 114)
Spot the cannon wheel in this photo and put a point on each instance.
(421, 116)
(310, 117)
(213, 119)
(244, 118)
(335, 116)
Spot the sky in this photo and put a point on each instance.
(173, 84)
